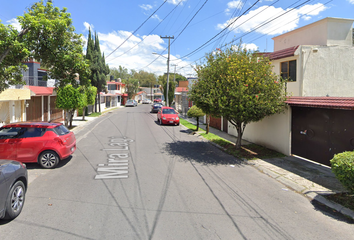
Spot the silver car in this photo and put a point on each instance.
(131, 103)
(13, 187)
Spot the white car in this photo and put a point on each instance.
(146, 101)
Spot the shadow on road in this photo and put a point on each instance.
(331, 212)
(200, 152)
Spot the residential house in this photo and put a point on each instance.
(152, 92)
(318, 60)
(115, 94)
(34, 101)
(140, 96)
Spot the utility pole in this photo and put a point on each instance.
(174, 76)
(168, 66)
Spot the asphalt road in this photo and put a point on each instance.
(131, 178)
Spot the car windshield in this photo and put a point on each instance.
(129, 101)
(168, 111)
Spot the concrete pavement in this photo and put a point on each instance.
(308, 178)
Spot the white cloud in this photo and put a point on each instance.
(285, 23)
(250, 46)
(235, 4)
(14, 22)
(351, 1)
(156, 17)
(88, 26)
(175, 2)
(139, 56)
(146, 7)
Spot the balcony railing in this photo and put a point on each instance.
(36, 81)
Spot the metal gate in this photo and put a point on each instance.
(317, 134)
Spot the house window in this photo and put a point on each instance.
(288, 70)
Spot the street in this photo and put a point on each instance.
(131, 178)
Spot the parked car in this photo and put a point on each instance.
(13, 187)
(146, 101)
(41, 142)
(131, 103)
(157, 100)
(156, 107)
(167, 115)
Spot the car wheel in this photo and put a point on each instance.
(48, 159)
(15, 200)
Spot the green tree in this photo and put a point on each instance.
(171, 87)
(99, 69)
(196, 112)
(146, 79)
(132, 86)
(89, 97)
(47, 35)
(240, 86)
(69, 98)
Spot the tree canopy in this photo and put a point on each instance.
(47, 35)
(99, 69)
(240, 86)
(69, 98)
(196, 112)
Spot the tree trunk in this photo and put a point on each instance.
(99, 101)
(197, 123)
(240, 129)
(66, 122)
(71, 115)
(208, 122)
(84, 113)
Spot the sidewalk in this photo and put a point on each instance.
(305, 177)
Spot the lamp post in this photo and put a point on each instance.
(168, 71)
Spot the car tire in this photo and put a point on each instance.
(48, 159)
(15, 200)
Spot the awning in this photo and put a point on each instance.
(41, 91)
(322, 102)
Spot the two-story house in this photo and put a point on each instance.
(34, 101)
(318, 123)
(115, 94)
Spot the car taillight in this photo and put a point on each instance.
(59, 140)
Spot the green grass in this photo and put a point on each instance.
(248, 152)
(95, 114)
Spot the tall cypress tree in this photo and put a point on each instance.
(99, 70)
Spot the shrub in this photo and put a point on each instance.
(343, 168)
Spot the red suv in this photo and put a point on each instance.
(42, 142)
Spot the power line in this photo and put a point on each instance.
(179, 33)
(136, 29)
(256, 29)
(150, 31)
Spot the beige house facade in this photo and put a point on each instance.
(318, 60)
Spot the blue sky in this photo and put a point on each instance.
(191, 22)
